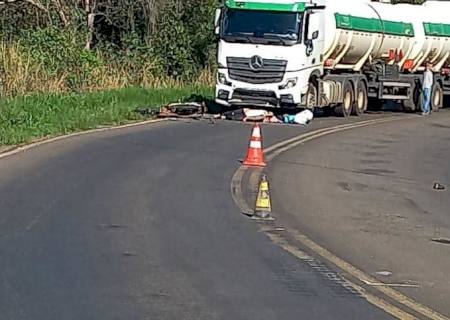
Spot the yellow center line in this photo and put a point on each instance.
(279, 148)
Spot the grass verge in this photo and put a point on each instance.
(24, 119)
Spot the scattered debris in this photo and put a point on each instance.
(196, 110)
(129, 254)
(395, 216)
(192, 110)
(116, 226)
(438, 186)
(441, 240)
(146, 111)
(111, 226)
(211, 117)
(384, 273)
(235, 115)
(344, 186)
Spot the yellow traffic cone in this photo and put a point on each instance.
(263, 208)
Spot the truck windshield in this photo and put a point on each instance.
(261, 26)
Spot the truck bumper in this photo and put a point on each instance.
(274, 95)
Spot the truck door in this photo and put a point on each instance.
(314, 37)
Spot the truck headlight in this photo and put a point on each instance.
(290, 83)
(222, 79)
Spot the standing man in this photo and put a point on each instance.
(427, 85)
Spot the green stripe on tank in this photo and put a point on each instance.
(266, 6)
(437, 29)
(374, 25)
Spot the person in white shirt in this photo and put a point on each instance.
(427, 85)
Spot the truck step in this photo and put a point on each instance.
(396, 84)
(393, 97)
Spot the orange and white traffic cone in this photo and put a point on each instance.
(255, 153)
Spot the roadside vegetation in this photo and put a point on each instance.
(91, 45)
(69, 65)
(26, 118)
(57, 56)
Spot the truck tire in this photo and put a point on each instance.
(437, 97)
(311, 97)
(374, 104)
(414, 103)
(446, 103)
(344, 109)
(361, 100)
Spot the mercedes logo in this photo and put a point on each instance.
(256, 62)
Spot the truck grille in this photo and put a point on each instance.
(257, 97)
(272, 71)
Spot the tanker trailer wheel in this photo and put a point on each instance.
(344, 109)
(437, 97)
(311, 97)
(361, 101)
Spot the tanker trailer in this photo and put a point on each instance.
(346, 55)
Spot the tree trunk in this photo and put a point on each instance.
(91, 30)
(90, 8)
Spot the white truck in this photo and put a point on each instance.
(339, 54)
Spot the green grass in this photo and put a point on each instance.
(24, 119)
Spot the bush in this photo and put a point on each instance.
(60, 55)
(184, 41)
(53, 48)
(143, 43)
(173, 43)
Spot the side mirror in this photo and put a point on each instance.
(217, 21)
(313, 26)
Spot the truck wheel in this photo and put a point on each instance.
(446, 103)
(374, 104)
(344, 109)
(437, 98)
(311, 97)
(414, 103)
(419, 101)
(361, 100)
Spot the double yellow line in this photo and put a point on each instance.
(386, 298)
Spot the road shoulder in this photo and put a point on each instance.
(334, 202)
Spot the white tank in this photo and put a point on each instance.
(408, 35)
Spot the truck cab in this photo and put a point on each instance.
(269, 52)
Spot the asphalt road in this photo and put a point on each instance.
(367, 195)
(140, 224)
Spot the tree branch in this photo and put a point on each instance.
(37, 4)
(61, 13)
